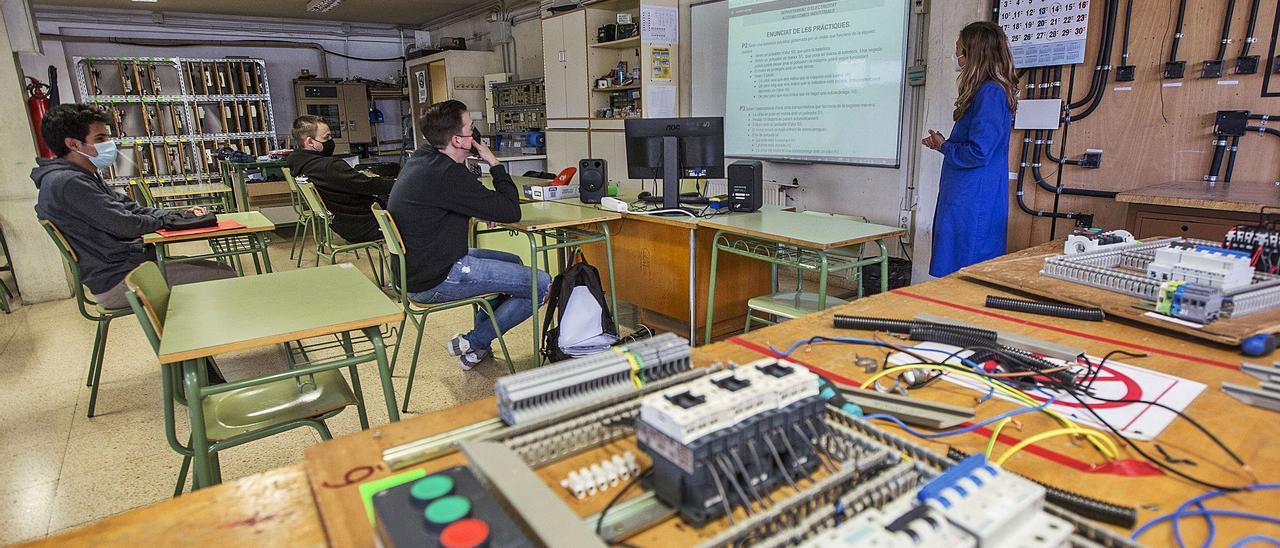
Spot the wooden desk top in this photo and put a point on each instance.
(1020, 271)
(544, 215)
(1251, 432)
(253, 221)
(273, 508)
(799, 229)
(1238, 196)
(220, 316)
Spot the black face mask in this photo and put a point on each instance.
(328, 147)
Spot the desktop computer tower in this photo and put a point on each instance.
(746, 185)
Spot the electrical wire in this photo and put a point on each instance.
(1044, 436)
(962, 430)
(1199, 500)
(621, 492)
(995, 434)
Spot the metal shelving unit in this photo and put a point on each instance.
(170, 115)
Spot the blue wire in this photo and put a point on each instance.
(963, 430)
(1223, 513)
(1256, 538)
(1182, 510)
(1208, 522)
(1198, 501)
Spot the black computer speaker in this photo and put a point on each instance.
(593, 180)
(746, 185)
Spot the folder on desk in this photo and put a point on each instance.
(223, 224)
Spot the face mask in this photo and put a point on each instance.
(328, 147)
(106, 154)
(955, 62)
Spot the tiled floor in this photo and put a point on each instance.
(59, 469)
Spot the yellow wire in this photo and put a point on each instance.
(995, 433)
(1108, 447)
(1046, 435)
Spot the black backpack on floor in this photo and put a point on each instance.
(580, 273)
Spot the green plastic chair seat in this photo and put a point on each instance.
(257, 408)
(429, 307)
(114, 312)
(790, 305)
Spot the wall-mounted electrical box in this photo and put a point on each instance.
(343, 105)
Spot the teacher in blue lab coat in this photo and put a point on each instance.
(972, 216)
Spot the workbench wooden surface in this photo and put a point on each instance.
(1020, 271)
(1253, 433)
(1240, 196)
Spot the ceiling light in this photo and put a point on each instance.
(321, 6)
(146, 1)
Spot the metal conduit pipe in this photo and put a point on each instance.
(163, 42)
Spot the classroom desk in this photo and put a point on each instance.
(223, 242)
(228, 512)
(564, 225)
(210, 318)
(797, 240)
(663, 269)
(189, 193)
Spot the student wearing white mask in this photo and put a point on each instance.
(103, 227)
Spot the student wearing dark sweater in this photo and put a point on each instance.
(346, 192)
(104, 227)
(433, 202)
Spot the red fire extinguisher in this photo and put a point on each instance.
(37, 106)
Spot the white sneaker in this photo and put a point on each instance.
(458, 345)
(470, 360)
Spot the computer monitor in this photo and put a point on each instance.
(668, 148)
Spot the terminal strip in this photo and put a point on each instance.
(1142, 270)
(546, 391)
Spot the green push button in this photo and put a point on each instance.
(431, 488)
(446, 510)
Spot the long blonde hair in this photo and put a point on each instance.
(986, 49)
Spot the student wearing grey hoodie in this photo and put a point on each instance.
(104, 227)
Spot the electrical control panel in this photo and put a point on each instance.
(972, 504)
(742, 431)
(1202, 265)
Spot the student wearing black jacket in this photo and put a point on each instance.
(103, 227)
(433, 203)
(346, 192)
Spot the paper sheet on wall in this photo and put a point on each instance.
(660, 102)
(421, 77)
(659, 24)
(1116, 381)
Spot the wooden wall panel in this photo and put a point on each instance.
(1153, 134)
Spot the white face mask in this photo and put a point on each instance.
(955, 62)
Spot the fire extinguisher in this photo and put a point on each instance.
(38, 106)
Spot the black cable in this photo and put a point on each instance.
(1146, 455)
(1087, 313)
(1253, 23)
(1177, 31)
(623, 491)
(281, 42)
(1128, 16)
(1226, 30)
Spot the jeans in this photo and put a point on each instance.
(486, 271)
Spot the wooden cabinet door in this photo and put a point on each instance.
(553, 66)
(565, 148)
(577, 85)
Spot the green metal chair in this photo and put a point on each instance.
(305, 222)
(90, 309)
(418, 312)
(793, 304)
(327, 243)
(258, 409)
(5, 295)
